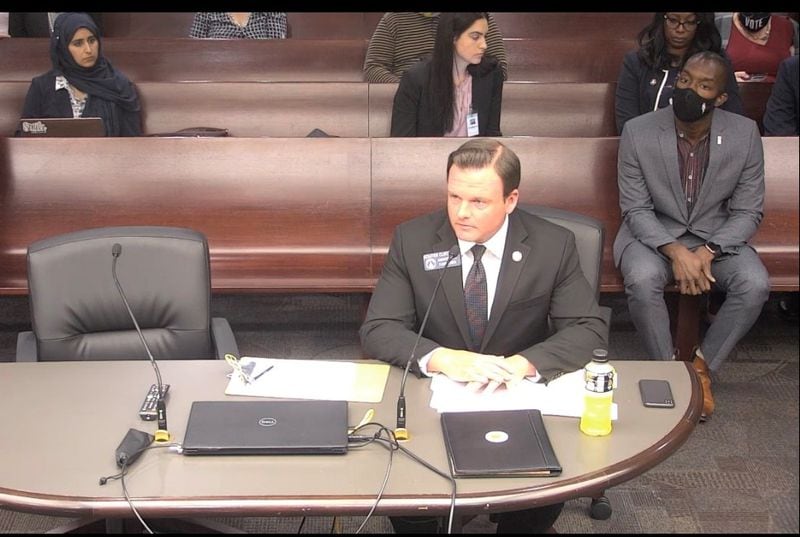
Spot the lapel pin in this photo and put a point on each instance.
(516, 255)
(719, 140)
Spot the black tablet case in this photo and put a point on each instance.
(525, 452)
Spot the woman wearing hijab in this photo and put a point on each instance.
(82, 83)
(456, 92)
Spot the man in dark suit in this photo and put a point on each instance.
(691, 189)
(539, 319)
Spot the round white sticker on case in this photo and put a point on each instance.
(496, 437)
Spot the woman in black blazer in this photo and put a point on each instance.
(443, 95)
(648, 74)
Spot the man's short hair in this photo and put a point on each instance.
(713, 57)
(479, 153)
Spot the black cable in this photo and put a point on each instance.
(128, 498)
(121, 477)
(385, 476)
(393, 445)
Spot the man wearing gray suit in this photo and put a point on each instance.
(691, 190)
(538, 315)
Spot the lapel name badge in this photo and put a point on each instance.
(472, 124)
(438, 260)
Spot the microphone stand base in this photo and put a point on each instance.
(401, 434)
(162, 435)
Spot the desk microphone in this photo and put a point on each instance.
(401, 433)
(162, 435)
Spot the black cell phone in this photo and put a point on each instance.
(656, 393)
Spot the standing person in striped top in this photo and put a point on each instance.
(456, 92)
(400, 39)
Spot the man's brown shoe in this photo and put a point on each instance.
(705, 382)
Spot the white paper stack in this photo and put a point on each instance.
(561, 397)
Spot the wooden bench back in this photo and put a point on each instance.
(529, 109)
(571, 25)
(779, 233)
(566, 59)
(182, 59)
(286, 109)
(302, 25)
(358, 109)
(357, 25)
(316, 214)
(246, 109)
(577, 174)
(279, 214)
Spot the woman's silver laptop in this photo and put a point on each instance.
(63, 127)
(266, 428)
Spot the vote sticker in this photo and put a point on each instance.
(496, 437)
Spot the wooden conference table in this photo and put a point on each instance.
(62, 421)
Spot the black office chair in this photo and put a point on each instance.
(77, 312)
(589, 234)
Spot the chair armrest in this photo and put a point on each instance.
(224, 342)
(26, 347)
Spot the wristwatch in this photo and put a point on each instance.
(714, 248)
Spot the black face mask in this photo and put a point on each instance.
(753, 22)
(688, 106)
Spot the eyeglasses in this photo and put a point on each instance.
(674, 23)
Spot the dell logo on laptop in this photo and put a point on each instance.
(267, 422)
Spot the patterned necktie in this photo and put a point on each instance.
(476, 298)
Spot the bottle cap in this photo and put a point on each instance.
(600, 355)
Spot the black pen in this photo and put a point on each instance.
(259, 375)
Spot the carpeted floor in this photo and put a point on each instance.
(737, 473)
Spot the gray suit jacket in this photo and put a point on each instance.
(544, 291)
(729, 206)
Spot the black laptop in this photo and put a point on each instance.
(266, 428)
(65, 127)
(498, 443)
